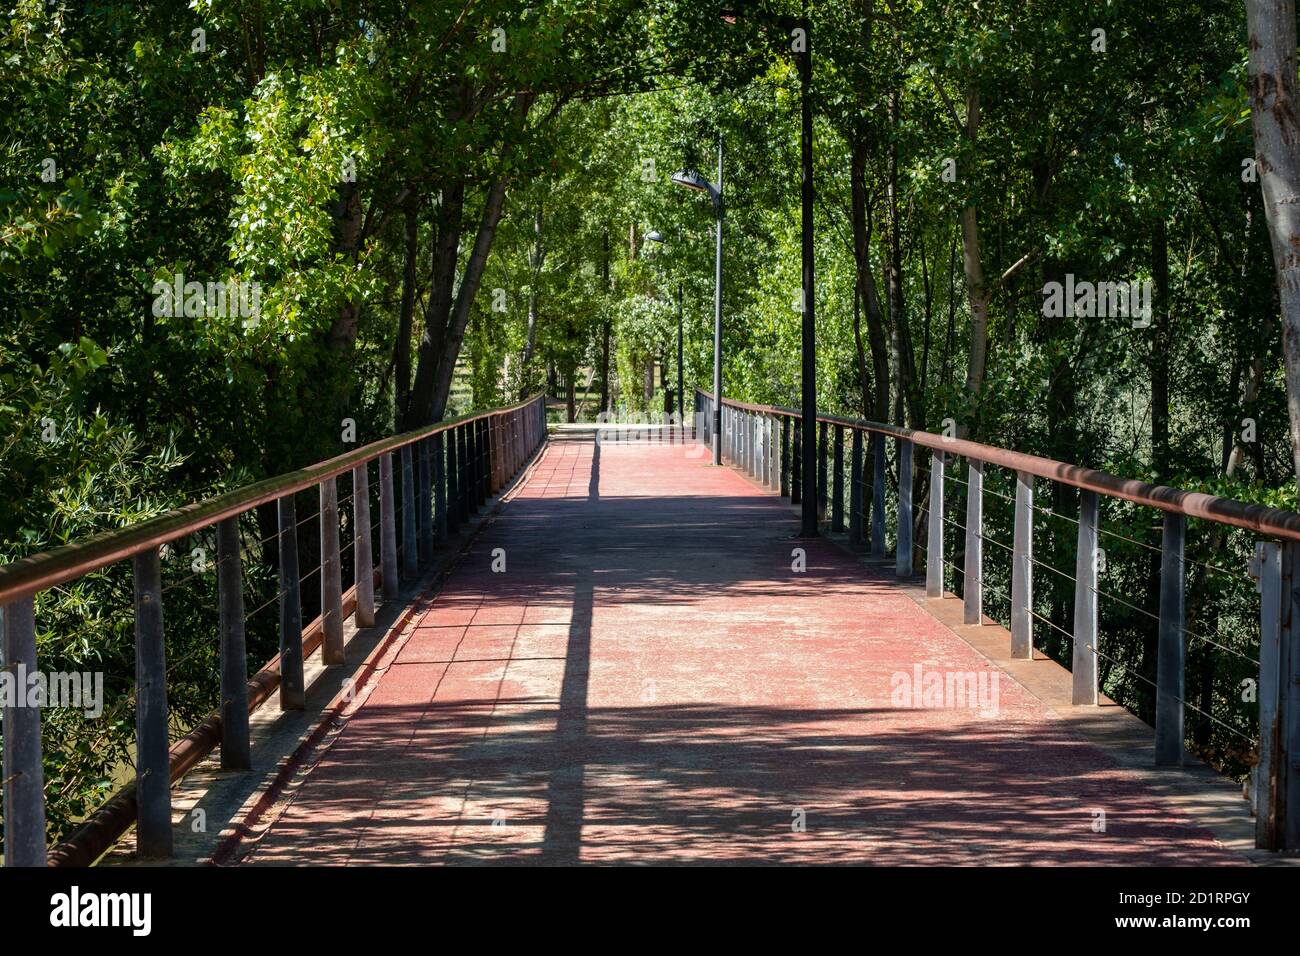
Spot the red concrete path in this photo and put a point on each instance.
(648, 681)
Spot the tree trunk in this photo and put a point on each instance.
(448, 223)
(978, 296)
(1275, 116)
(976, 288)
(1160, 346)
(469, 284)
(445, 324)
(604, 334)
(1255, 371)
(927, 285)
(867, 284)
(406, 315)
(347, 216)
(864, 377)
(905, 354)
(535, 260)
(604, 366)
(952, 312)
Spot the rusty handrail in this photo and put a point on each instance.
(97, 834)
(26, 576)
(1274, 522)
(487, 458)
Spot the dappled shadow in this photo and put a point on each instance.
(721, 784)
(650, 679)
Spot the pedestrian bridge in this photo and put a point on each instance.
(594, 646)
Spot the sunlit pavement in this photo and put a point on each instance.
(648, 680)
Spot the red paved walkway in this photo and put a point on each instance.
(648, 681)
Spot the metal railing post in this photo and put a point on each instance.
(787, 488)
(903, 535)
(424, 502)
(439, 490)
(855, 489)
(387, 529)
(489, 457)
(972, 583)
(467, 465)
(21, 771)
(796, 461)
(292, 685)
(1270, 815)
(742, 440)
(331, 575)
(837, 486)
(934, 529)
(496, 429)
(471, 468)
(737, 437)
(823, 492)
(1280, 684)
(1170, 674)
(1084, 660)
(410, 560)
(453, 482)
(1022, 570)
(878, 494)
(481, 488)
(235, 745)
(363, 559)
(748, 448)
(153, 793)
(774, 453)
(743, 436)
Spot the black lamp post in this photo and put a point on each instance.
(693, 180)
(681, 389)
(808, 385)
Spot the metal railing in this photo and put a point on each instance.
(448, 470)
(760, 440)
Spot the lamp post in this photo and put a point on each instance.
(809, 384)
(654, 235)
(681, 390)
(693, 180)
(800, 29)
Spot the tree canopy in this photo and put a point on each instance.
(229, 227)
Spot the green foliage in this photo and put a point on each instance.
(291, 150)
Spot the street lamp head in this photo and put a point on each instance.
(691, 180)
(654, 235)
